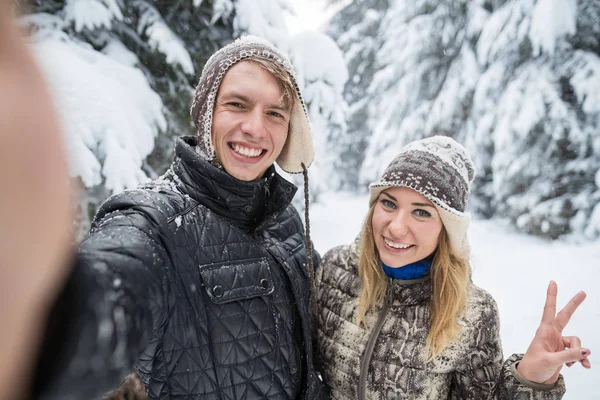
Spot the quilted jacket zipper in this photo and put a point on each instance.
(366, 360)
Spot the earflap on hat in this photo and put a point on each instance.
(375, 192)
(457, 227)
(298, 148)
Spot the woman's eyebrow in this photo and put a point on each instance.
(390, 196)
(414, 204)
(423, 205)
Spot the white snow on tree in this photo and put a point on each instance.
(91, 14)
(110, 117)
(124, 71)
(516, 81)
(109, 113)
(420, 40)
(262, 18)
(321, 73)
(355, 29)
(541, 116)
(162, 38)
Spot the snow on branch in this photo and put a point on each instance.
(162, 38)
(262, 18)
(109, 113)
(551, 20)
(322, 73)
(92, 14)
(221, 9)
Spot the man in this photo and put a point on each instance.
(200, 278)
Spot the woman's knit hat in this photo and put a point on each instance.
(440, 169)
(298, 149)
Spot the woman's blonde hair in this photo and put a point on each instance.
(449, 280)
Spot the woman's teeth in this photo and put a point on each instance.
(396, 245)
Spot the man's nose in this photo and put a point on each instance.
(254, 123)
(399, 224)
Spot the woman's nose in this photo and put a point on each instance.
(399, 224)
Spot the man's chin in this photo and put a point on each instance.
(245, 174)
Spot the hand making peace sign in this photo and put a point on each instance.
(549, 349)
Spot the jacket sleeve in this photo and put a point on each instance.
(511, 385)
(107, 312)
(485, 375)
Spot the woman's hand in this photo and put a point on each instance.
(549, 349)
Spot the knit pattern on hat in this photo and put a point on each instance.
(440, 169)
(298, 147)
(437, 167)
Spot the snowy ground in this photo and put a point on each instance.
(515, 269)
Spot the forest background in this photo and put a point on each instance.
(516, 81)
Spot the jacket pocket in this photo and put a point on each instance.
(241, 313)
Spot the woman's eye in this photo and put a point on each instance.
(387, 203)
(235, 104)
(422, 213)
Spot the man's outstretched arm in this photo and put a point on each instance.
(110, 307)
(34, 208)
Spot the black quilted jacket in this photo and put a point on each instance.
(198, 278)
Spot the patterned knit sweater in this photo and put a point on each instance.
(469, 368)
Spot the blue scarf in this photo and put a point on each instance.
(415, 270)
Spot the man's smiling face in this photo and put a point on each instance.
(250, 121)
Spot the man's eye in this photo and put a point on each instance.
(422, 213)
(275, 114)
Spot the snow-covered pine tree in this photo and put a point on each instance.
(123, 72)
(322, 73)
(537, 106)
(419, 40)
(516, 81)
(356, 31)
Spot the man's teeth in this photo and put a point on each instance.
(396, 245)
(245, 151)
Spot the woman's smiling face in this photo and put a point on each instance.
(406, 226)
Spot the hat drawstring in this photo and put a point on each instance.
(309, 248)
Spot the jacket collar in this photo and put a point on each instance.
(404, 292)
(245, 203)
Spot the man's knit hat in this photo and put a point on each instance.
(298, 148)
(440, 169)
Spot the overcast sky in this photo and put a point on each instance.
(310, 14)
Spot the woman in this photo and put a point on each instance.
(399, 317)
